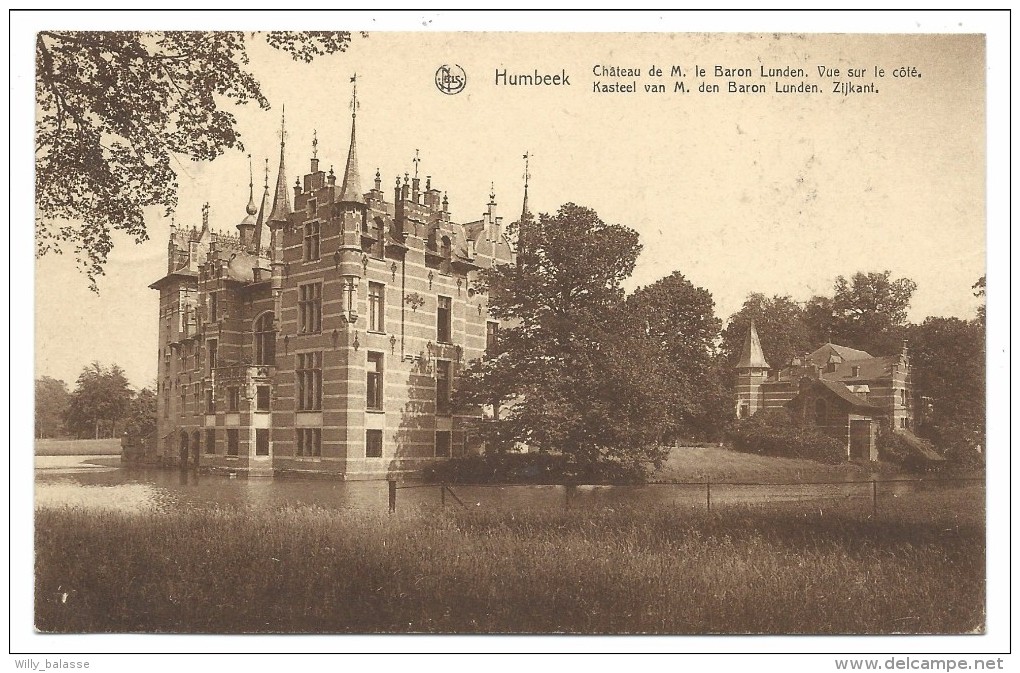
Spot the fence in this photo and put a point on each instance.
(711, 494)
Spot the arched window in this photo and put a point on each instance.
(821, 411)
(447, 254)
(265, 339)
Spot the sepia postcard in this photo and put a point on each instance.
(443, 325)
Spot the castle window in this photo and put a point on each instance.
(262, 398)
(233, 443)
(442, 387)
(212, 346)
(184, 400)
(309, 442)
(373, 443)
(380, 244)
(214, 307)
(821, 412)
(210, 401)
(745, 409)
(855, 371)
(265, 340)
(198, 399)
(443, 443)
(447, 253)
(374, 370)
(903, 397)
(312, 207)
(309, 381)
(491, 337)
(210, 440)
(444, 320)
(262, 441)
(311, 248)
(233, 398)
(310, 308)
(830, 367)
(376, 307)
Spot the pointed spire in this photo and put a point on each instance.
(261, 220)
(251, 209)
(527, 177)
(752, 357)
(350, 191)
(281, 200)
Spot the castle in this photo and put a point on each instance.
(846, 392)
(324, 338)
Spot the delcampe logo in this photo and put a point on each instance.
(451, 79)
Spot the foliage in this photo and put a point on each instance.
(675, 321)
(51, 401)
(779, 321)
(980, 293)
(774, 432)
(114, 106)
(141, 421)
(869, 311)
(948, 357)
(100, 400)
(534, 468)
(565, 377)
(894, 448)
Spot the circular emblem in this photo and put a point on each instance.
(451, 79)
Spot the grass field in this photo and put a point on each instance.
(77, 447)
(694, 464)
(918, 568)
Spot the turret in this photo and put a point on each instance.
(278, 216)
(353, 211)
(752, 371)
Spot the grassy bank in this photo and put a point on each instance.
(721, 464)
(77, 447)
(741, 570)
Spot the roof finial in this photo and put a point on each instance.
(416, 161)
(205, 216)
(281, 200)
(283, 124)
(251, 209)
(315, 144)
(267, 173)
(527, 177)
(492, 193)
(354, 95)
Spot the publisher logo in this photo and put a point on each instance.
(451, 79)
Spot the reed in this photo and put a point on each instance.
(766, 569)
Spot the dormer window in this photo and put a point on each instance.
(855, 371)
(447, 253)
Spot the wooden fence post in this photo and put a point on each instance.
(393, 495)
(874, 499)
(708, 494)
(442, 495)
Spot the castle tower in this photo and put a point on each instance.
(752, 370)
(278, 219)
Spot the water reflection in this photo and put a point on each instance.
(99, 484)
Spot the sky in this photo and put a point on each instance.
(741, 193)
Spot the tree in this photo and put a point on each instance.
(781, 329)
(869, 311)
(565, 376)
(51, 400)
(979, 292)
(948, 357)
(113, 106)
(141, 417)
(678, 322)
(99, 402)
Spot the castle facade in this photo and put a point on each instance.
(324, 337)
